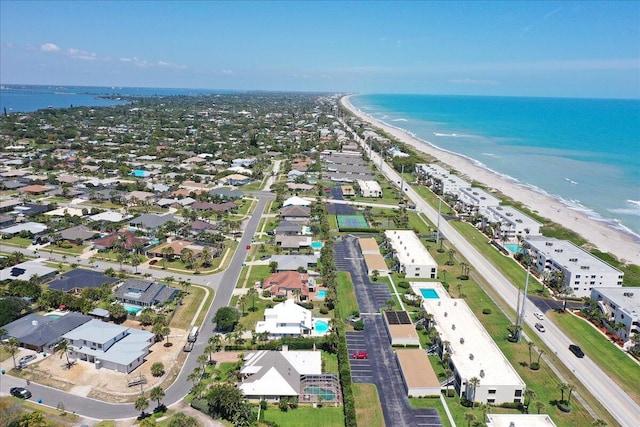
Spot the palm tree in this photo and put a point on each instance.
(63, 347)
(187, 256)
(451, 254)
(167, 252)
(539, 356)
(253, 293)
(539, 406)
(473, 382)
(563, 387)
(207, 256)
(11, 347)
(531, 345)
(599, 423)
(242, 301)
(157, 394)
(448, 373)
(529, 394)
(141, 404)
(469, 417)
(570, 389)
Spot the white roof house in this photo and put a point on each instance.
(270, 375)
(582, 271)
(26, 270)
(286, 319)
(370, 188)
(110, 346)
(513, 222)
(452, 184)
(415, 260)
(519, 420)
(109, 216)
(296, 201)
(473, 352)
(32, 227)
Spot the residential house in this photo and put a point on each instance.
(126, 239)
(290, 283)
(42, 333)
(287, 228)
(26, 270)
(80, 233)
(139, 197)
(226, 193)
(294, 262)
(144, 293)
(34, 228)
(35, 189)
(286, 319)
(295, 213)
(370, 188)
(109, 346)
(235, 179)
(296, 201)
(76, 280)
(151, 222)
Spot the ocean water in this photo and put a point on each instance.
(584, 152)
(26, 98)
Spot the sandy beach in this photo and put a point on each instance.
(599, 234)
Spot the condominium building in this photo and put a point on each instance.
(473, 354)
(582, 271)
(370, 188)
(513, 223)
(414, 259)
(620, 306)
(473, 200)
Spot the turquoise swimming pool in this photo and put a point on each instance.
(327, 395)
(317, 245)
(322, 293)
(132, 309)
(429, 293)
(513, 248)
(321, 327)
(53, 316)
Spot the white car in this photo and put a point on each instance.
(539, 315)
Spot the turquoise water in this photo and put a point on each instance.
(132, 309)
(317, 245)
(322, 293)
(513, 247)
(428, 293)
(321, 327)
(139, 173)
(326, 395)
(583, 152)
(54, 316)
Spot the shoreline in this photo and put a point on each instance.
(599, 233)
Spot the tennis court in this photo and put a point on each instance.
(352, 221)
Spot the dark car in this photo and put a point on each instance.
(26, 359)
(20, 392)
(576, 350)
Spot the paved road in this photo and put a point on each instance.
(381, 368)
(624, 409)
(223, 282)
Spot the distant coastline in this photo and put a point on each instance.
(625, 245)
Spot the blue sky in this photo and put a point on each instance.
(578, 49)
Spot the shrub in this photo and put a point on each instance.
(534, 366)
(486, 311)
(358, 325)
(324, 310)
(404, 285)
(201, 405)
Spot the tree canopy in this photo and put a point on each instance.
(226, 319)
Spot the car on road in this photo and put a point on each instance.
(248, 247)
(153, 261)
(265, 257)
(540, 327)
(26, 359)
(360, 355)
(19, 392)
(576, 350)
(539, 315)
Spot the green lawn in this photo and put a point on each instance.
(182, 319)
(305, 416)
(368, 408)
(258, 272)
(346, 294)
(329, 362)
(433, 403)
(618, 366)
(16, 241)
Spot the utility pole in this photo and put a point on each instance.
(438, 222)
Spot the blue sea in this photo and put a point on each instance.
(584, 152)
(26, 98)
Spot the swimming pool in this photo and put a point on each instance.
(321, 327)
(513, 247)
(53, 316)
(327, 395)
(322, 293)
(429, 293)
(132, 309)
(317, 245)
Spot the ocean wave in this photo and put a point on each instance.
(455, 135)
(634, 202)
(495, 156)
(633, 209)
(571, 181)
(399, 120)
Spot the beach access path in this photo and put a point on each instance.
(599, 234)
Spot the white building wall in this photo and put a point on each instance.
(620, 305)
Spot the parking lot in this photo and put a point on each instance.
(380, 367)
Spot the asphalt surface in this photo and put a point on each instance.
(619, 404)
(224, 284)
(381, 367)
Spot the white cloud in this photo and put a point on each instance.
(49, 47)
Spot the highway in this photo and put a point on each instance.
(224, 284)
(624, 409)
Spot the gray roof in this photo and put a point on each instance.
(293, 262)
(38, 331)
(227, 193)
(295, 211)
(80, 278)
(144, 292)
(33, 227)
(81, 232)
(25, 270)
(152, 220)
(289, 227)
